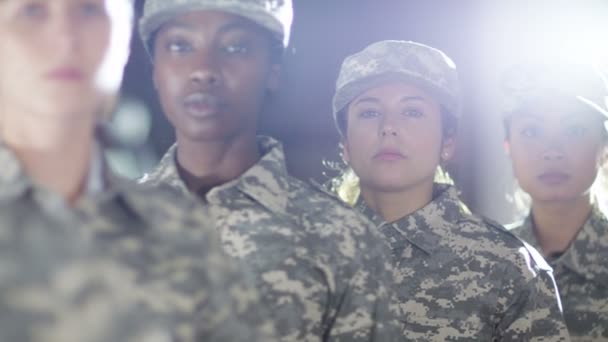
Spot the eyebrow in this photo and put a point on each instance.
(371, 99)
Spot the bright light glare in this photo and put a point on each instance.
(109, 76)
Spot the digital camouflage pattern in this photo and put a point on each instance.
(395, 60)
(125, 264)
(321, 270)
(461, 278)
(274, 15)
(581, 273)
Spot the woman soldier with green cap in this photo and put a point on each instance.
(556, 136)
(458, 276)
(85, 256)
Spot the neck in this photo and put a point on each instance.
(394, 205)
(54, 152)
(556, 224)
(207, 164)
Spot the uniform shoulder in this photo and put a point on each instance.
(153, 194)
(164, 206)
(533, 258)
(515, 226)
(319, 193)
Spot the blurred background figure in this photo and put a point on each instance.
(556, 136)
(85, 255)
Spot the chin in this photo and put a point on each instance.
(390, 184)
(204, 134)
(555, 195)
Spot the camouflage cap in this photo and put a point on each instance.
(529, 83)
(274, 15)
(390, 60)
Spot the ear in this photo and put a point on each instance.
(274, 77)
(448, 148)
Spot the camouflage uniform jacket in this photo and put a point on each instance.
(123, 264)
(319, 267)
(581, 273)
(461, 278)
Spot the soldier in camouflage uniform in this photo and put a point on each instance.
(84, 256)
(320, 268)
(458, 277)
(555, 131)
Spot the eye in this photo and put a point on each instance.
(34, 10)
(236, 49)
(92, 9)
(178, 46)
(576, 131)
(413, 112)
(530, 131)
(369, 114)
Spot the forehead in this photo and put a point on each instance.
(557, 108)
(205, 20)
(396, 89)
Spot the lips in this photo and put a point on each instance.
(389, 154)
(201, 105)
(554, 178)
(68, 74)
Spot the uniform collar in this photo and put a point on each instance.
(267, 181)
(102, 188)
(426, 227)
(588, 253)
(15, 182)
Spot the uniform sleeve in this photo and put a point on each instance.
(369, 310)
(536, 313)
(229, 307)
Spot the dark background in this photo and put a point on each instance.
(482, 37)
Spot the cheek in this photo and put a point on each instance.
(361, 137)
(166, 81)
(247, 82)
(19, 68)
(522, 160)
(424, 139)
(167, 84)
(361, 142)
(585, 161)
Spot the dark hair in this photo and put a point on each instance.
(449, 123)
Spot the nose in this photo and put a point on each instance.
(554, 150)
(553, 154)
(66, 34)
(206, 71)
(388, 127)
